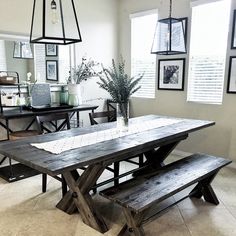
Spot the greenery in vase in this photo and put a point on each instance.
(83, 71)
(119, 84)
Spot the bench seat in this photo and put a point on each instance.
(139, 194)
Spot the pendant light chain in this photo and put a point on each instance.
(170, 9)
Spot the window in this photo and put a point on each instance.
(142, 61)
(209, 34)
(3, 63)
(39, 62)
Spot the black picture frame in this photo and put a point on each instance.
(52, 70)
(171, 73)
(51, 50)
(231, 83)
(233, 37)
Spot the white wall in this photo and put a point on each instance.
(98, 22)
(218, 140)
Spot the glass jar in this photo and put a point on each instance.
(122, 116)
(63, 96)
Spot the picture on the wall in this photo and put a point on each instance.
(51, 50)
(231, 87)
(171, 74)
(233, 39)
(52, 70)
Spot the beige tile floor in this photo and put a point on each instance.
(25, 211)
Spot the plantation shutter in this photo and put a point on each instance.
(64, 62)
(206, 76)
(208, 52)
(39, 62)
(3, 64)
(142, 61)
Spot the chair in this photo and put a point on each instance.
(111, 116)
(108, 115)
(41, 121)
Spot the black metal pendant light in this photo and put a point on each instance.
(22, 50)
(54, 22)
(169, 36)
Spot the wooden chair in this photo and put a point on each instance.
(41, 123)
(111, 116)
(108, 115)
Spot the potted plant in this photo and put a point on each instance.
(77, 75)
(120, 86)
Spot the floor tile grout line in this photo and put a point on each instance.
(180, 212)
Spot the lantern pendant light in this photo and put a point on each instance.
(54, 22)
(169, 36)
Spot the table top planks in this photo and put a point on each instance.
(104, 152)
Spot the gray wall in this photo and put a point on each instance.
(221, 138)
(22, 66)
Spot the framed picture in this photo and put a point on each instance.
(51, 50)
(51, 70)
(171, 74)
(231, 86)
(233, 39)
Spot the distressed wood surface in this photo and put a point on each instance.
(106, 152)
(140, 193)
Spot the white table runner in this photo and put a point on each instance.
(65, 144)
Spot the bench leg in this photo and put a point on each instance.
(134, 223)
(203, 188)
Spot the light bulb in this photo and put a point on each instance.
(167, 40)
(54, 13)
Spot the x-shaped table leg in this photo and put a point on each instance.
(78, 196)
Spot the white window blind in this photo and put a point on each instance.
(208, 44)
(64, 62)
(39, 62)
(3, 63)
(142, 61)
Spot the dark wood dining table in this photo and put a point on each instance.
(156, 144)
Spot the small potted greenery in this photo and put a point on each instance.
(81, 73)
(120, 86)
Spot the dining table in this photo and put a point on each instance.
(96, 147)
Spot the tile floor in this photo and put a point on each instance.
(25, 211)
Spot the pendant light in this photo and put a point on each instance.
(54, 22)
(169, 36)
(22, 50)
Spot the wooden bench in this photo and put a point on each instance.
(138, 195)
